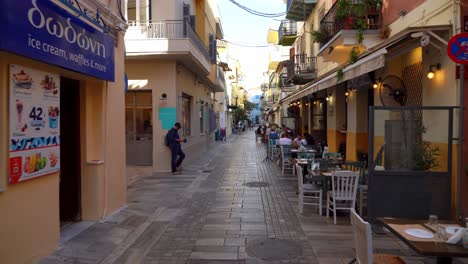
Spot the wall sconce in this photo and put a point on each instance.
(328, 97)
(315, 102)
(163, 97)
(377, 83)
(432, 69)
(346, 93)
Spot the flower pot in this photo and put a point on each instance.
(348, 23)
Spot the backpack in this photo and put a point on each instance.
(166, 139)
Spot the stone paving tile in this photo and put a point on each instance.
(207, 215)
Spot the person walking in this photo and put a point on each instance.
(173, 142)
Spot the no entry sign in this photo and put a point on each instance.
(457, 48)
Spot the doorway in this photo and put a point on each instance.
(70, 161)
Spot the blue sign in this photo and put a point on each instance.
(168, 117)
(457, 48)
(41, 30)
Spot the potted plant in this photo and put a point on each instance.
(318, 36)
(343, 12)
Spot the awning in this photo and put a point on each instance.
(367, 64)
(371, 60)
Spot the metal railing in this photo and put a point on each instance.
(287, 28)
(168, 29)
(330, 25)
(302, 64)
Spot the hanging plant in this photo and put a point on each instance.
(339, 75)
(353, 55)
(318, 36)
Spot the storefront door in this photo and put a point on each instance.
(70, 173)
(139, 128)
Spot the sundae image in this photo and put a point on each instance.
(48, 84)
(22, 80)
(53, 116)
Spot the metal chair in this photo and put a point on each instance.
(344, 188)
(285, 156)
(309, 194)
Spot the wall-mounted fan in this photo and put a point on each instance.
(393, 91)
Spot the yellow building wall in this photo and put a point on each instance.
(32, 228)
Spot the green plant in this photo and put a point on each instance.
(373, 4)
(343, 9)
(360, 36)
(353, 55)
(360, 24)
(318, 36)
(425, 156)
(339, 74)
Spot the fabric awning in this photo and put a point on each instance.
(367, 64)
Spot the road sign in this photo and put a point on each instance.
(457, 48)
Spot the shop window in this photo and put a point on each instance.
(186, 115)
(138, 116)
(202, 119)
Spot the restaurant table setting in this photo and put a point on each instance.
(441, 239)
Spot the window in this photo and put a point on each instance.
(138, 116)
(202, 119)
(186, 115)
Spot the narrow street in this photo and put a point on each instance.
(209, 214)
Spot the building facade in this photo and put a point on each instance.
(376, 55)
(173, 77)
(61, 129)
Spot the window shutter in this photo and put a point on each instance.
(212, 43)
(186, 9)
(193, 22)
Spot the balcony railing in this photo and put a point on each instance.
(169, 29)
(287, 32)
(302, 66)
(330, 26)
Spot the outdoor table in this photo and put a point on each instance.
(427, 247)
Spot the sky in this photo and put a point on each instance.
(241, 27)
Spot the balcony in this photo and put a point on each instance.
(302, 69)
(338, 36)
(299, 10)
(174, 39)
(287, 33)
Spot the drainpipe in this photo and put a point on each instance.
(455, 9)
(106, 170)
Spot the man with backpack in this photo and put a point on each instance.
(173, 142)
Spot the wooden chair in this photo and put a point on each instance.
(344, 187)
(309, 194)
(363, 244)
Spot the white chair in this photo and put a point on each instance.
(363, 244)
(285, 155)
(309, 194)
(343, 193)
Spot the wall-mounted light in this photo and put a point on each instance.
(346, 93)
(432, 69)
(328, 98)
(377, 83)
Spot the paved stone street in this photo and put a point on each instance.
(209, 215)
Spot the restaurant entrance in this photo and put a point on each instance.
(70, 172)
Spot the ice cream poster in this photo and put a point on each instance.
(34, 123)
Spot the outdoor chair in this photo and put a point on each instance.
(332, 155)
(274, 149)
(343, 193)
(309, 194)
(363, 244)
(306, 155)
(285, 156)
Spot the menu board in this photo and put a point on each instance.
(34, 123)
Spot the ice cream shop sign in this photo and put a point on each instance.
(42, 30)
